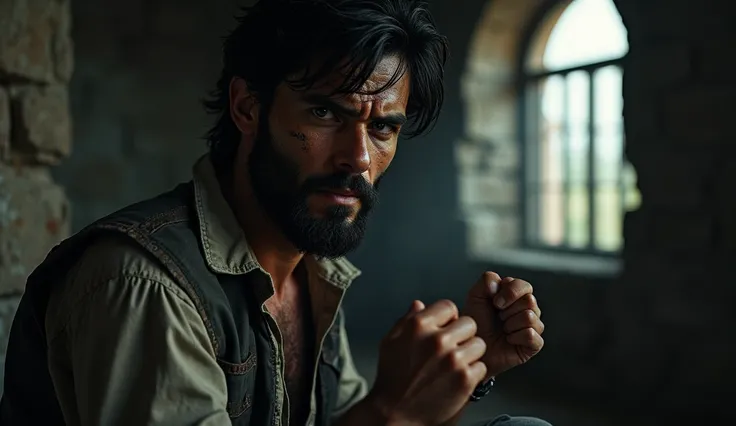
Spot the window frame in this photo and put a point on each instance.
(523, 79)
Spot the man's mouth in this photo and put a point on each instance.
(347, 193)
(340, 196)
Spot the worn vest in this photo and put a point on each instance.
(165, 226)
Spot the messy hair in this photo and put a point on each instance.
(275, 40)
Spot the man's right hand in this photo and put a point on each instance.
(428, 366)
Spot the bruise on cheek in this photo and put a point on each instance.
(301, 137)
(382, 162)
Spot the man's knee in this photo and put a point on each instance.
(505, 420)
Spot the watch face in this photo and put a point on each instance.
(482, 390)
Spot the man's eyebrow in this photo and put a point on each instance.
(394, 119)
(330, 103)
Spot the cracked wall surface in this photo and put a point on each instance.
(36, 65)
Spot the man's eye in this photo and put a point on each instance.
(383, 127)
(322, 113)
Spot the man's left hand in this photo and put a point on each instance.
(508, 320)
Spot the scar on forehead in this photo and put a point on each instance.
(301, 137)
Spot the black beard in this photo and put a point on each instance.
(275, 181)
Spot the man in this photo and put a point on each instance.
(219, 302)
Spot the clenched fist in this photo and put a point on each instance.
(508, 320)
(428, 366)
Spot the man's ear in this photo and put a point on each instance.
(244, 108)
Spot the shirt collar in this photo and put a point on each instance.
(225, 247)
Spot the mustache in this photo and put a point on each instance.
(355, 183)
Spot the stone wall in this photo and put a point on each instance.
(672, 310)
(658, 334)
(35, 133)
(141, 69)
(656, 337)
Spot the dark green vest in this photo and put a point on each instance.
(167, 227)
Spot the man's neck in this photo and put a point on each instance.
(274, 252)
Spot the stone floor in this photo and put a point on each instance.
(556, 409)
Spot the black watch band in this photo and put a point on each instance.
(482, 390)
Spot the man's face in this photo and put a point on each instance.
(316, 161)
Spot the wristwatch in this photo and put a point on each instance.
(482, 390)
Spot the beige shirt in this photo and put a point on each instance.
(127, 346)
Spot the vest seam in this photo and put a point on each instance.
(172, 264)
(83, 299)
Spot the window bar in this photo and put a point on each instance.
(566, 161)
(533, 130)
(621, 169)
(523, 136)
(591, 162)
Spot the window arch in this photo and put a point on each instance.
(577, 184)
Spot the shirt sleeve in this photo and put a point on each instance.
(127, 346)
(352, 387)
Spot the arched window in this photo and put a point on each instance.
(577, 183)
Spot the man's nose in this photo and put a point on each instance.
(353, 151)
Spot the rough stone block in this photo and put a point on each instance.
(490, 116)
(716, 61)
(700, 115)
(726, 205)
(44, 123)
(35, 41)
(679, 235)
(487, 230)
(499, 156)
(4, 123)
(33, 218)
(673, 231)
(62, 45)
(684, 19)
(642, 116)
(658, 66)
(682, 184)
(8, 306)
(488, 190)
(468, 155)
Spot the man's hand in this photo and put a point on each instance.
(508, 320)
(428, 366)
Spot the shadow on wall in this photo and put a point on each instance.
(141, 69)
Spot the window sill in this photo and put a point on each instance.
(577, 264)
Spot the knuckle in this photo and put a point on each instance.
(516, 292)
(418, 323)
(483, 368)
(529, 335)
(454, 362)
(489, 276)
(469, 322)
(438, 343)
(480, 344)
(466, 379)
(448, 304)
(520, 288)
(530, 315)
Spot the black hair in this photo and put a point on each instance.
(276, 39)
